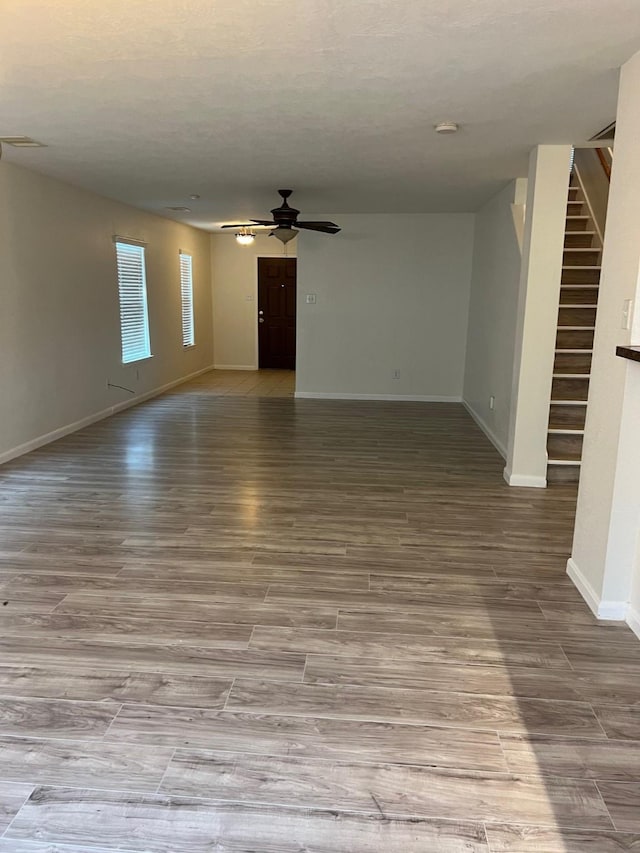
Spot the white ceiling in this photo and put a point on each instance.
(148, 101)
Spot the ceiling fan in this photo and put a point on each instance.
(285, 222)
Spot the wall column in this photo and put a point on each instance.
(604, 561)
(541, 273)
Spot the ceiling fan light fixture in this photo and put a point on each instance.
(245, 237)
(285, 234)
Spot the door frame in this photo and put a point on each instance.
(255, 298)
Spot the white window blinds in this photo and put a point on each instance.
(132, 287)
(186, 290)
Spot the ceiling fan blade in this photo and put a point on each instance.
(325, 227)
(255, 223)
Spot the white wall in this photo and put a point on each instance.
(605, 560)
(234, 275)
(59, 312)
(537, 317)
(392, 294)
(493, 311)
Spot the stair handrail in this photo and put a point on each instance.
(603, 162)
(585, 194)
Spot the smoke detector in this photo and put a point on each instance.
(446, 127)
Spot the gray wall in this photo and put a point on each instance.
(59, 312)
(392, 294)
(493, 311)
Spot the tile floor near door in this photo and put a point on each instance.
(239, 623)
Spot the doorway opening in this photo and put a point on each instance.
(277, 313)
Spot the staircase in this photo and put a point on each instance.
(574, 340)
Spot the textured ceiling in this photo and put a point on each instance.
(152, 100)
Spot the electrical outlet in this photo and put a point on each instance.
(492, 402)
(627, 313)
(396, 374)
(311, 299)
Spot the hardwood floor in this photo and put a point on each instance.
(232, 621)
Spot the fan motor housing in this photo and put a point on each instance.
(284, 215)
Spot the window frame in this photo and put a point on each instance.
(126, 301)
(187, 309)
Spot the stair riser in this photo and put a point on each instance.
(570, 389)
(577, 317)
(578, 241)
(577, 276)
(569, 339)
(575, 208)
(581, 258)
(563, 473)
(572, 363)
(567, 417)
(577, 225)
(579, 296)
(565, 447)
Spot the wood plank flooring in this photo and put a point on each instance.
(233, 621)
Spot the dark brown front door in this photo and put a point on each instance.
(277, 312)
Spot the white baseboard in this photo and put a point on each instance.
(615, 611)
(55, 434)
(493, 438)
(235, 367)
(403, 398)
(633, 620)
(527, 481)
(583, 586)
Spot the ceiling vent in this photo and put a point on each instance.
(21, 142)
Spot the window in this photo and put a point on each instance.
(132, 287)
(186, 291)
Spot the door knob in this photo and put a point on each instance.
(260, 319)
